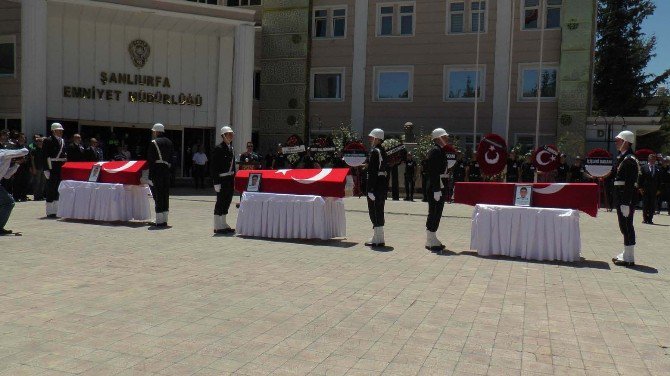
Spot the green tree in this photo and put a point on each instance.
(623, 51)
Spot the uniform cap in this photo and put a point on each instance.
(226, 129)
(377, 133)
(438, 132)
(56, 127)
(158, 127)
(627, 136)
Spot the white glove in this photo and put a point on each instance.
(625, 210)
(217, 188)
(47, 174)
(437, 196)
(371, 196)
(151, 184)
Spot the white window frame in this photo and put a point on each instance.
(467, 17)
(460, 68)
(450, 13)
(542, 19)
(10, 39)
(329, 21)
(396, 18)
(377, 70)
(484, 20)
(525, 66)
(327, 70)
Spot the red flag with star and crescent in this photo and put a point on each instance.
(492, 154)
(327, 182)
(546, 158)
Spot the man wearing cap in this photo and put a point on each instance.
(437, 187)
(377, 186)
(159, 154)
(56, 155)
(223, 176)
(627, 171)
(650, 182)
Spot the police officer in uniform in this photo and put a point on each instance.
(627, 171)
(223, 175)
(377, 186)
(410, 171)
(56, 155)
(158, 154)
(513, 167)
(562, 170)
(473, 171)
(437, 181)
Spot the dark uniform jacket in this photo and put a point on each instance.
(577, 174)
(527, 172)
(437, 169)
(562, 173)
(159, 163)
(513, 167)
(378, 172)
(474, 173)
(410, 167)
(76, 153)
(459, 171)
(627, 171)
(54, 148)
(223, 162)
(279, 161)
(650, 184)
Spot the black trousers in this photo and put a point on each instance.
(199, 175)
(376, 210)
(435, 209)
(626, 225)
(409, 187)
(51, 187)
(224, 197)
(648, 206)
(424, 186)
(664, 197)
(161, 191)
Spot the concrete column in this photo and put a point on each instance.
(359, 63)
(501, 71)
(33, 66)
(224, 93)
(243, 85)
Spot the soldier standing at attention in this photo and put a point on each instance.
(377, 187)
(158, 154)
(627, 171)
(56, 156)
(223, 175)
(437, 182)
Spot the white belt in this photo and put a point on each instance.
(227, 174)
(58, 159)
(619, 183)
(163, 162)
(381, 174)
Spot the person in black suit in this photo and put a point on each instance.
(377, 186)
(665, 185)
(76, 151)
(410, 172)
(650, 181)
(159, 154)
(223, 175)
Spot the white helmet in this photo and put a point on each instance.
(158, 127)
(438, 132)
(56, 127)
(226, 129)
(627, 136)
(377, 133)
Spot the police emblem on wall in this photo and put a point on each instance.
(139, 52)
(546, 158)
(492, 154)
(599, 163)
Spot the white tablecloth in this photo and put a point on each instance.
(529, 233)
(103, 202)
(272, 215)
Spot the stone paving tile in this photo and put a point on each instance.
(116, 299)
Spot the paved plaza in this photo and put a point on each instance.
(120, 299)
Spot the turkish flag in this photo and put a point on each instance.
(546, 158)
(117, 172)
(492, 154)
(327, 182)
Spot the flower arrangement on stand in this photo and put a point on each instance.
(395, 151)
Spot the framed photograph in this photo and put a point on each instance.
(254, 183)
(95, 173)
(522, 195)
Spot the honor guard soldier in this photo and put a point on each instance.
(437, 187)
(158, 154)
(627, 172)
(377, 186)
(56, 155)
(223, 175)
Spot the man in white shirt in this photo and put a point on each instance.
(7, 169)
(199, 163)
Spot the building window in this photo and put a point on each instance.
(393, 83)
(240, 3)
(460, 83)
(465, 142)
(395, 19)
(466, 16)
(211, 2)
(327, 84)
(532, 82)
(551, 10)
(7, 56)
(257, 85)
(330, 22)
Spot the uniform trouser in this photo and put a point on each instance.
(224, 197)
(409, 187)
(424, 186)
(664, 197)
(648, 206)
(435, 209)
(161, 192)
(6, 206)
(51, 187)
(626, 225)
(39, 181)
(376, 210)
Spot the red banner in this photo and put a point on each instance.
(118, 172)
(492, 154)
(546, 158)
(578, 196)
(328, 182)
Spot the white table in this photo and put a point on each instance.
(284, 216)
(103, 201)
(529, 233)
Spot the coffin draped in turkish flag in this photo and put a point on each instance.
(328, 182)
(579, 196)
(118, 172)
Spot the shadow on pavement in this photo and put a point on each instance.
(583, 263)
(644, 269)
(339, 243)
(105, 224)
(385, 248)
